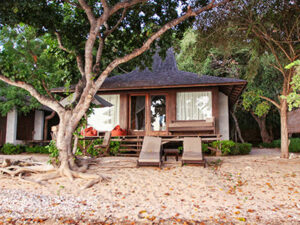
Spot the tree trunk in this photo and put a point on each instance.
(265, 136)
(237, 127)
(64, 140)
(46, 124)
(284, 129)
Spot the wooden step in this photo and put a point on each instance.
(129, 150)
(128, 155)
(128, 145)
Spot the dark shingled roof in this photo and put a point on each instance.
(165, 74)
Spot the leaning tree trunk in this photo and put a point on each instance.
(264, 133)
(237, 127)
(284, 129)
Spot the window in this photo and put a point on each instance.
(106, 118)
(193, 105)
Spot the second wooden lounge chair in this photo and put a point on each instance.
(151, 152)
(192, 151)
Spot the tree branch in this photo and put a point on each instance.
(270, 100)
(60, 45)
(54, 105)
(108, 32)
(88, 11)
(125, 4)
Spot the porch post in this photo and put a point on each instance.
(38, 125)
(11, 127)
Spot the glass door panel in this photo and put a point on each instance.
(158, 113)
(138, 113)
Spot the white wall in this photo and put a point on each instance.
(38, 125)
(223, 116)
(11, 127)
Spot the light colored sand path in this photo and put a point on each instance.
(259, 188)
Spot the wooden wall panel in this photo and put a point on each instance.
(124, 109)
(25, 126)
(3, 121)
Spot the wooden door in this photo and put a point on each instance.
(25, 126)
(137, 114)
(3, 122)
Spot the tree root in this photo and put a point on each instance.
(49, 172)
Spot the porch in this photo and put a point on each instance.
(131, 145)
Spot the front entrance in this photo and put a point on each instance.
(148, 114)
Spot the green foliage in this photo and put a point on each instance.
(37, 149)
(225, 146)
(229, 147)
(293, 147)
(114, 147)
(205, 148)
(10, 149)
(293, 98)
(54, 152)
(243, 148)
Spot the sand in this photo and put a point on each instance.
(259, 188)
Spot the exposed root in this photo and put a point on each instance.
(66, 169)
(29, 180)
(49, 176)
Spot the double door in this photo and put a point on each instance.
(148, 114)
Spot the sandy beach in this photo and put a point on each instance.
(259, 188)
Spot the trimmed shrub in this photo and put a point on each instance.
(226, 146)
(293, 147)
(243, 148)
(37, 149)
(232, 148)
(10, 149)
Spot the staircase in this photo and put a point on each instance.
(130, 146)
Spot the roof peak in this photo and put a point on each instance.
(168, 64)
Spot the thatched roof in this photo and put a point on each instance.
(165, 74)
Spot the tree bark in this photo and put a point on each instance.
(237, 127)
(46, 124)
(264, 133)
(284, 130)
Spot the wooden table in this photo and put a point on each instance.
(173, 151)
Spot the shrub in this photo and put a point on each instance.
(243, 148)
(36, 149)
(54, 152)
(205, 148)
(114, 147)
(293, 147)
(226, 146)
(10, 149)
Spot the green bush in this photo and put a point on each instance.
(114, 147)
(53, 151)
(243, 148)
(205, 148)
(226, 146)
(36, 149)
(293, 147)
(10, 149)
(229, 147)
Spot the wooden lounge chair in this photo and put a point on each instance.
(105, 144)
(192, 151)
(151, 152)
